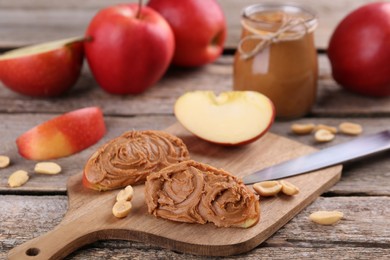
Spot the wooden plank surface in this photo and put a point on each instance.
(95, 208)
(25, 22)
(362, 193)
(362, 235)
(332, 100)
(368, 176)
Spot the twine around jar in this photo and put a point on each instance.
(288, 23)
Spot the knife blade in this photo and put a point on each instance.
(357, 148)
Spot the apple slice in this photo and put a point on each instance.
(63, 135)
(232, 118)
(43, 70)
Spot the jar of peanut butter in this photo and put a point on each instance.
(277, 56)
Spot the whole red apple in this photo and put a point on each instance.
(131, 47)
(43, 70)
(359, 50)
(199, 27)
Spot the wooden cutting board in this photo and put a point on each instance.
(89, 216)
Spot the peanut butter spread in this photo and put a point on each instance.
(129, 158)
(193, 192)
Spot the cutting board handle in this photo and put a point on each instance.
(56, 244)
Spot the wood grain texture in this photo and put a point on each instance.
(362, 194)
(71, 165)
(25, 22)
(89, 217)
(332, 100)
(365, 177)
(360, 235)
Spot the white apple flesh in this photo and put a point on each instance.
(231, 118)
(39, 48)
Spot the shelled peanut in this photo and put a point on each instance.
(123, 206)
(47, 168)
(18, 178)
(4, 161)
(326, 133)
(272, 188)
(350, 128)
(326, 217)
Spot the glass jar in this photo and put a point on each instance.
(277, 56)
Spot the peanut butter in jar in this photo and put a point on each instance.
(277, 57)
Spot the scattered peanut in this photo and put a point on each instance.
(323, 135)
(18, 178)
(326, 217)
(289, 188)
(331, 129)
(302, 129)
(4, 161)
(121, 208)
(267, 188)
(125, 194)
(123, 205)
(350, 128)
(47, 168)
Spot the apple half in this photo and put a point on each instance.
(43, 70)
(231, 118)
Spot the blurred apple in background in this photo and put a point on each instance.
(43, 70)
(64, 135)
(359, 50)
(199, 27)
(130, 49)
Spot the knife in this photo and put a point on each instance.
(333, 155)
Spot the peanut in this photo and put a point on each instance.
(47, 168)
(125, 194)
(289, 188)
(331, 129)
(350, 128)
(302, 129)
(18, 178)
(4, 161)
(326, 217)
(323, 135)
(121, 208)
(267, 188)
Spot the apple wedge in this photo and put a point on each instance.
(232, 118)
(63, 135)
(43, 70)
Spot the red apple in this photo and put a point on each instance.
(63, 135)
(199, 27)
(130, 48)
(43, 70)
(359, 50)
(232, 118)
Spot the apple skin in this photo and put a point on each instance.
(90, 185)
(199, 27)
(62, 136)
(45, 74)
(232, 114)
(126, 54)
(359, 50)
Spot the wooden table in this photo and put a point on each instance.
(363, 193)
